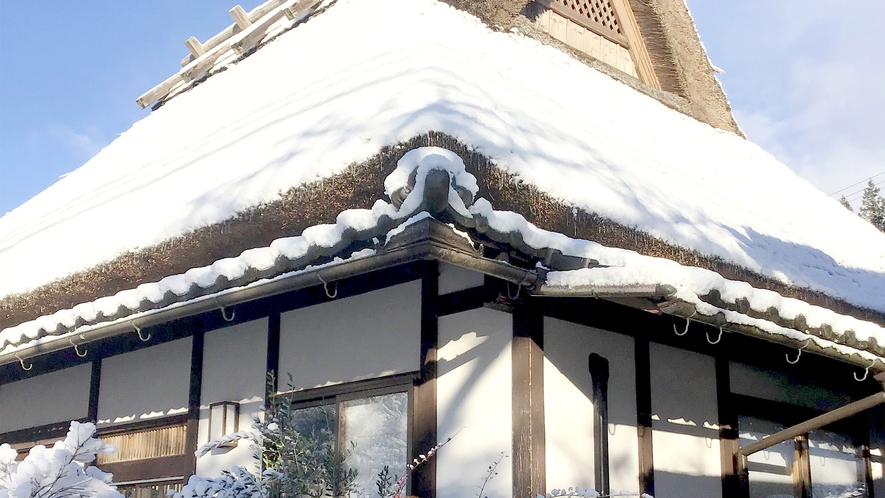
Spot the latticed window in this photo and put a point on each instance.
(599, 12)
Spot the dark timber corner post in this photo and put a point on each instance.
(424, 435)
(599, 377)
(529, 467)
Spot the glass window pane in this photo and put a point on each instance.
(836, 470)
(770, 470)
(316, 423)
(378, 429)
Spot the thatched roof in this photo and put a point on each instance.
(290, 136)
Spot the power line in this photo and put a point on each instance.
(848, 197)
(858, 183)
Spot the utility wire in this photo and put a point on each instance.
(858, 183)
(848, 197)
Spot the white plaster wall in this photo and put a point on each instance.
(360, 337)
(776, 386)
(234, 362)
(148, 383)
(685, 435)
(45, 399)
(474, 394)
(454, 278)
(568, 391)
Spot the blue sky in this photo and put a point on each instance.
(806, 80)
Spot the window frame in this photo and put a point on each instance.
(338, 394)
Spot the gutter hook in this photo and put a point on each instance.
(787, 355)
(518, 289)
(76, 349)
(866, 372)
(330, 295)
(233, 314)
(20, 360)
(687, 323)
(717, 340)
(138, 330)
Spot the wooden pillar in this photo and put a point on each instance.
(643, 417)
(529, 466)
(193, 402)
(802, 467)
(424, 436)
(729, 443)
(273, 354)
(94, 386)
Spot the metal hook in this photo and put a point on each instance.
(518, 290)
(233, 313)
(793, 362)
(20, 360)
(717, 340)
(331, 295)
(612, 428)
(76, 349)
(866, 372)
(687, 323)
(138, 331)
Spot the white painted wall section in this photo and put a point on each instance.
(474, 393)
(45, 399)
(685, 435)
(454, 278)
(370, 335)
(568, 393)
(234, 362)
(776, 386)
(148, 383)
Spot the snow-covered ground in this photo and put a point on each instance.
(365, 74)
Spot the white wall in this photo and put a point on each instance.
(568, 391)
(454, 278)
(45, 399)
(776, 386)
(144, 384)
(234, 362)
(474, 393)
(683, 395)
(360, 337)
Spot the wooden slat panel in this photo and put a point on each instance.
(153, 443)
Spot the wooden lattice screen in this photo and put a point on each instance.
(597, 15)
(151, 443)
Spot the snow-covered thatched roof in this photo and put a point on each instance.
(337, 89)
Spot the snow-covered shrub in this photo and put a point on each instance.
(58, 472)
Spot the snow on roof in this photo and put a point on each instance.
(358, 77)
(611, 268)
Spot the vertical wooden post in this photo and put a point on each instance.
(643, 417)
(424, 422)
(94, 386)
(273, 354)
(599, 373)
(193, 402)
(527, 355)
(802, 467)
(729, 444)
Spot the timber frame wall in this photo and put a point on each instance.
(528, 312)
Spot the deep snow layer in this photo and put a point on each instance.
(315, 100)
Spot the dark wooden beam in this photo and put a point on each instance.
(94, 386)
(463, 300)
(154, 468)
(273, 354)
(643, 417)
(527, 356)
(424, 434)
(193, 401)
